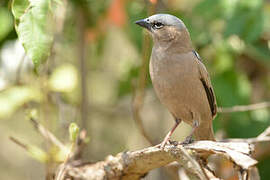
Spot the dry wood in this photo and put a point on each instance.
(135, 164)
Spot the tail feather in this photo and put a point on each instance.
(204, 132)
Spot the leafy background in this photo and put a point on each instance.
(82, 61)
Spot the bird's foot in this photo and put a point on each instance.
(168, 136)
(188, 140)
(164, 142)
(172, 142)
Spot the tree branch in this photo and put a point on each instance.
(83, 67)
(242, 108)
(47, 134)
(135, 164)
(139, 92)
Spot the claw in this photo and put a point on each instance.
(163, 144)
(188, 140)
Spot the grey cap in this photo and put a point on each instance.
(165, 19)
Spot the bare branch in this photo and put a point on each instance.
(238, 152)
(19, 143)
(47, 134)
(135, 164)
(263, 137)
(194, 164)
(83, 66)
(264, 134)
(138, 94)
(79, 146)
(243, 108)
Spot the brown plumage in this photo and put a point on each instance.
(179, 78)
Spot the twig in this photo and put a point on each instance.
(135, 164)
(253, 174)
(248, 140)
(238, 152)
(19, 143)
(74, 154)
(264, 134)
(201, 173)
(128, 165)
(138, 96)
(83, 66)
(136, 108)
(61, 172)
(80, 145)
(47, 134)
(261, 143)
(243, 108)
(263, 137)
(34, 151)
(182, 174)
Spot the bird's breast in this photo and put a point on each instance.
(173, 70)
(177, 84)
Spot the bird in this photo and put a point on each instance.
(179, 77)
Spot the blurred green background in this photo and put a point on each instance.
(95, 71)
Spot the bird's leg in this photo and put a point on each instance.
(168, 136)
(188, 139)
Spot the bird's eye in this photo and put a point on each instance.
(157, 25)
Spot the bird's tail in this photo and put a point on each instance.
(204, 132)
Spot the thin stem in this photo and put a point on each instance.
(138, 97)
(47, 134)
(243, 108)
(19, 143)
(83, 67)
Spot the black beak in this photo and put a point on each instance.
(143, 23)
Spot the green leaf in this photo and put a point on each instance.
(73, 131)
(254, 27)
(246, 22)
(259, 53)
(18, 7)
(228, 90)
(11, 99)
(6, 23)
(202, 9)
(223, 60)
(34, 33)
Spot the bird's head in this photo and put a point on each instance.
(164, 27)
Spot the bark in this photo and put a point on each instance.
(133, 165)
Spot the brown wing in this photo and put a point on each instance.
(207, 85)
(210, 97)
(197, 55)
